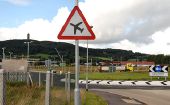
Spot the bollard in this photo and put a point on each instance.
(47, 92)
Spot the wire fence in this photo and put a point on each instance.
(46, 88)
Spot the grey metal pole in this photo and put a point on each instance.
(28, 45)
(91, 64)
(2, 88)
(69, 93)
(66, 79)
(87, 67)
(10, 53)
(39, 79)
(62, 65)
(47, 92)
(52, 78)
(77, 98)
(3, 52)
(137, 64)
(112, 63)
(77, 90)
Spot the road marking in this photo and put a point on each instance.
(126, 83)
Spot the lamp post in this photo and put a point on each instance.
(3, 52)
(28, 51)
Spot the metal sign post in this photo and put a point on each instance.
(158, 71)
(77, 90)
(76, 28)
(77, 68)
(87, 67)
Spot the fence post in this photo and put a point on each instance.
(66, 79)
(2, 87)
(39, 77)
(69, 94)
(47, 92)
(51, 78)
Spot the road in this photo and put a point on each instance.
(140, 96)
(121, 95)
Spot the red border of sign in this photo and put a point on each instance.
(60, 35)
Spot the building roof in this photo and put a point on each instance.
(125, 62)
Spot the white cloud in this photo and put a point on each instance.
(134, 20)
(160, 44)
(138, 25)
(19, 2)
(39, 29)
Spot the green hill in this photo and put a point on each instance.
(46, 49)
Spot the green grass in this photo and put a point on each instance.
(119, 76)
(102, 58)
(88, 98)
(20, 94)
(43, 55)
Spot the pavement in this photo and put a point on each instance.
(134, 96)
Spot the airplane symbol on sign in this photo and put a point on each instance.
(76, 27)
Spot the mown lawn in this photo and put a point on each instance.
(119, 76)
(20, 94)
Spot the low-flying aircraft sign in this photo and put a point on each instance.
(76, 27)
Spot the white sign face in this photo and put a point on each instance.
(76, 27)
(158, 70)
(159, 74)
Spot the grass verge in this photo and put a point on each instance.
(20, 94)
(89, 98)
(120, 76)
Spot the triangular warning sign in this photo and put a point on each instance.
(76, 27)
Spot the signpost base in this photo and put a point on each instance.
(77, 97)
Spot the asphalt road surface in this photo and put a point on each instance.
(135, 96)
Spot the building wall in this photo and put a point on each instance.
(14, 65)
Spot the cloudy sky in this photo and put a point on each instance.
(138, 25)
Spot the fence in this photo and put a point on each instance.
(47, 89)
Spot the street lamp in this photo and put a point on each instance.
(3, 52)
(28, 48)
(28, 45)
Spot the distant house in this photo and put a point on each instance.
(139, 63)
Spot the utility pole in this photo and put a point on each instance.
(28, 51)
